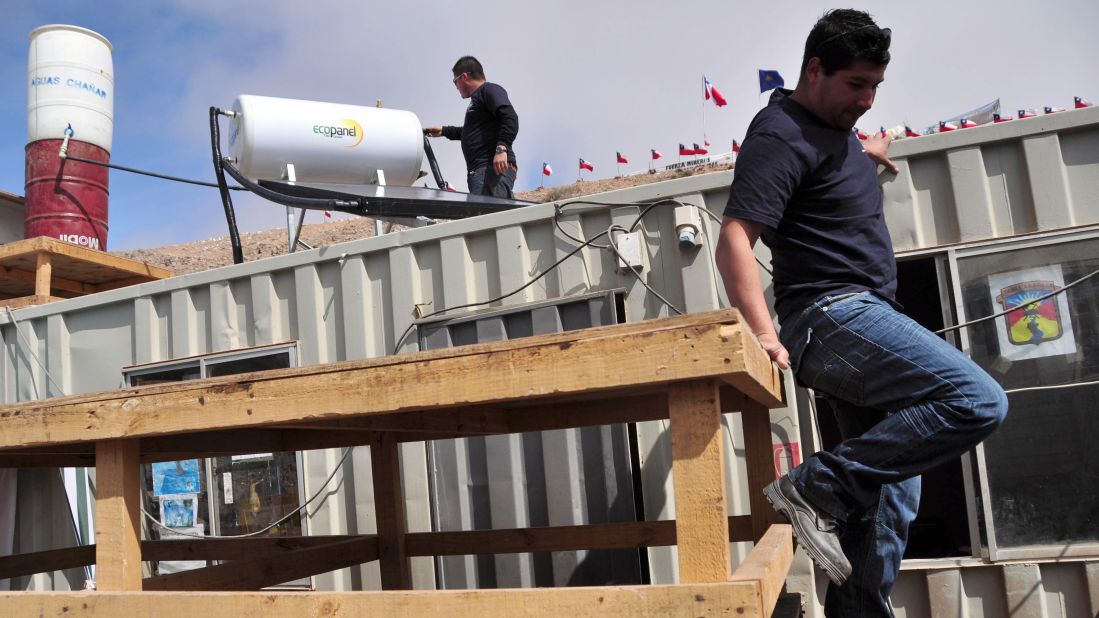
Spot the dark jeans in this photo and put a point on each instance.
(485, 181)
(906, 401)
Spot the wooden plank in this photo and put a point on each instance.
(80, 268)
(521, 370)
(698, 474)
(733, 599)
(623, 535)
(117, 515)
(30, 246)
(385, 466)
(19, 565)
(767, 565)
(263, 571)
(759, 461)
(761, 379)
(28, 301)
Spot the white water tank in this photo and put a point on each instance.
(70, 81)
(326, 142)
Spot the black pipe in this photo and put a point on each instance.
(433, 164)
(314, 203)
(223, 187)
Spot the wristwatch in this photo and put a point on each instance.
(500, 149)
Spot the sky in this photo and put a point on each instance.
(587, 79)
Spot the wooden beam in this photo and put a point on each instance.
(385, 465)
(733, 599)
(42, 274)
(117, 515)
(759, 460)
(263, 571)
(623, 535)
(587, 361)
(19, 565)
(244, 441)
(698, 474)
(767, 565)
(61, 460)
(237, 549)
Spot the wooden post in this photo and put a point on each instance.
(701, 514)
(118, 515)
(389, 508)
(43, 273)
(760, 461)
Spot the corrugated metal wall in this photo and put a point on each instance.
(354, 300)
(995, 181)
(507, 481)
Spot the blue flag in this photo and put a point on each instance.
(769, 80)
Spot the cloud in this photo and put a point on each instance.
(587, 78)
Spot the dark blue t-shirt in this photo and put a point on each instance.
(490, 120)
(817, 192)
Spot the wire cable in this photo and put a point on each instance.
(123, 168)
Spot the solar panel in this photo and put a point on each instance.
(398, 201)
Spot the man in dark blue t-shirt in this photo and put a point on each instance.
(905, 400)
(488, 132)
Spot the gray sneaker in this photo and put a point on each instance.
(815, 530)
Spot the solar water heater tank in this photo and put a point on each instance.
(325, 142)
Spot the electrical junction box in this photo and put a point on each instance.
(629, 250)
(688, 226)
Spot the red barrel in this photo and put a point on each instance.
(66, 199)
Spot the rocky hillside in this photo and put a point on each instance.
(216, 252)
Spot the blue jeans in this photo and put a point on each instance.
(485, 181)
(906, 401)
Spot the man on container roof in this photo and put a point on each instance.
(488, 132)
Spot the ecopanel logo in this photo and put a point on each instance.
(347, 130)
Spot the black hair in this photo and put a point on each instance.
(470, 66)
(842, 35)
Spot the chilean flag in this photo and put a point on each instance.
(700, 151)
(860, 134)
(712, 92)
(967, 123)
(1054, 110)
(328, 214)
(546, 169)
(684, 151)
(736, 146)
(446, 185)
(1027, 113)
(946, 126)
(908, 132)
(656, 154)
(1081, 102)
(621, 159)
(998, 118)
(584, 165)
(706, 142)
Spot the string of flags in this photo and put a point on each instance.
(770, 79)
(944, 126)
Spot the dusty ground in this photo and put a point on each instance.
(215, 252)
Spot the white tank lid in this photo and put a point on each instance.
(52, 27)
